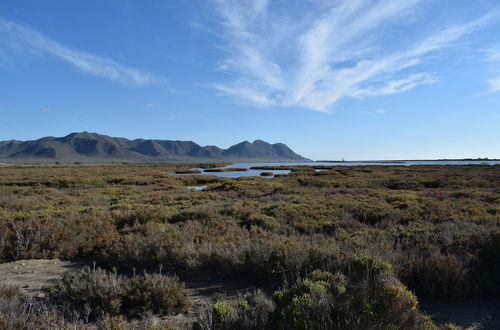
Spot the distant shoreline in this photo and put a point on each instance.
(78, 162)
(412, 160)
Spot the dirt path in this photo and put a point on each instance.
(32, 275)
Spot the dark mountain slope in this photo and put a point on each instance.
(261, 149)
(93, 147)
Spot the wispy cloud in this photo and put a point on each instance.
(493, 55)
(19, 38)
(397, 86)
(494, 85)
(326, 51)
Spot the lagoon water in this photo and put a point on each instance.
(237, 174)
(251, 172)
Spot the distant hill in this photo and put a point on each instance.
(96, 148)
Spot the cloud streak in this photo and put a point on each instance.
(326, 51)
(18, 38)
(493, 55)
(494, 85)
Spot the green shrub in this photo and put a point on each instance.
(252, 311)
(368, 296)
(224, 313)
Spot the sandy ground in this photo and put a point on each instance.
(32, 275)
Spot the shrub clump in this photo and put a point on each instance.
(159, 294)
(252, 311)
(92, 294)
(364, 295)
(367, 296)
(17, 311)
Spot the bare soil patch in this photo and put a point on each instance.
(32, 275)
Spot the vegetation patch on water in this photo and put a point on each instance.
(267, 174)
(212, 165)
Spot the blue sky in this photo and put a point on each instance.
(358, 79)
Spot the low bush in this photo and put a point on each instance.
(18, 311)
(92, 294)
(253, 311)
(367, 296)
(364, 295)
(155, 293)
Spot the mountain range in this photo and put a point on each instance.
(95, 148)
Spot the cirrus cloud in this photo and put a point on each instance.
(18, 38)
(325, 51)
(493, 55)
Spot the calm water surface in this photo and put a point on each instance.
(250, 172)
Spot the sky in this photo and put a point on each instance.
(352, 79)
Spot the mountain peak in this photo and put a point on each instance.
(83, 134)
(94, 147)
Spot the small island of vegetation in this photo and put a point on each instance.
(267, 174)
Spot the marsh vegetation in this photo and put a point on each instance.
(343, 248)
